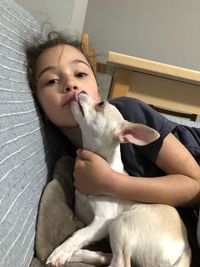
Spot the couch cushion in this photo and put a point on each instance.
(26, 153)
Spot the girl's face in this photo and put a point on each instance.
(61, 72)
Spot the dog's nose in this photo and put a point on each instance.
(82, 92)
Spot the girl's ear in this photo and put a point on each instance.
(135, 133)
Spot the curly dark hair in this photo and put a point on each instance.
(39, 45)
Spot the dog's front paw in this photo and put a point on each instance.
(59, 257)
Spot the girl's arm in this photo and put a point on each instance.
(179, 187)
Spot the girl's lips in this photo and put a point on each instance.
(70, 99)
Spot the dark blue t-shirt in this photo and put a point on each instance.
(140, 160)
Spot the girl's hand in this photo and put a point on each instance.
(92, 174)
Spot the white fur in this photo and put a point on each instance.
(198, 229)
(151, 235)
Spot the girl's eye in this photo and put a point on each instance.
(52, 81)
(81, 74)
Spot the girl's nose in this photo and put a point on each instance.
(70, 88)
(70, 85)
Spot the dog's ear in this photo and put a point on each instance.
(135, 133)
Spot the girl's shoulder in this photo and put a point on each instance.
(135, 110)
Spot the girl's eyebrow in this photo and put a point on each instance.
(55, 68)
(76, 61)
(49, 68)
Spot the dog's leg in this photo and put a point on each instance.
(97, 230)
(117, 260)
(91, 257)
(185, 259)
(121, 257)
(198, 229)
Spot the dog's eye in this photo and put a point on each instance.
(101, 104)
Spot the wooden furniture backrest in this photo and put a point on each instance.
(169, 88)
(89, 52)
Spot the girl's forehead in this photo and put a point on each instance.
(60, 51)
(57, 55)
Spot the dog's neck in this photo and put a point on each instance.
(115, 161)
(111, 154)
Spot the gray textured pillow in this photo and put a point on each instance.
(26, 156)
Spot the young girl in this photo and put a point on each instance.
(166, 171)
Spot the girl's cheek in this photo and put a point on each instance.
(47, 97)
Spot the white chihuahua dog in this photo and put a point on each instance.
(147, 235)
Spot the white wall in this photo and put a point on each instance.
(65, 15)
(162, 30)
(78, 15)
